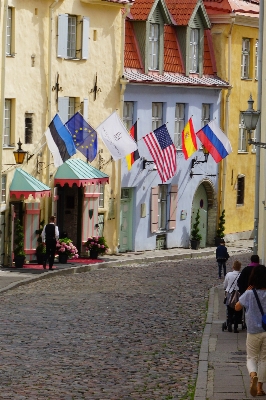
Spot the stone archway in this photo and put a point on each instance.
(211, 209)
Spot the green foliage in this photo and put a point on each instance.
(221, 225)
(195, 235)
(40, 249)
(19, 240)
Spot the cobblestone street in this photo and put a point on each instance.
(126, 333)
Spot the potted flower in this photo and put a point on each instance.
(195, 235)
(220, 230)
(96, 245)
(19, 253)
(66, 250)
(41, 248)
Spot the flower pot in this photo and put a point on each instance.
(93, 254)
(40, 258)
(195, 244)
(19, 261)
(62, 258)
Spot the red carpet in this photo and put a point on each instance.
(75, 261)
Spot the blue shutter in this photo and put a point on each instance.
(63, 108)
(62, 35)
(85, 38)
(85, 109)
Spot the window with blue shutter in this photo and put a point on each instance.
(62, 35)
(68, 46)
(63, 108)
(85, 38)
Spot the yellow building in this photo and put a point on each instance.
(235, 36)
(58, 57)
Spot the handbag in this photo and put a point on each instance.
(233, 298)
(263, 319)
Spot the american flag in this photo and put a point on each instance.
(163, 152)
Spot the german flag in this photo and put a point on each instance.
(131, 158)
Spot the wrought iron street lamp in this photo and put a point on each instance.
(251, 118)
(19, 154)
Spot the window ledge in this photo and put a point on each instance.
(242, 152)
(8, 147)
(246, 79)
(240, 205)
(10, 55)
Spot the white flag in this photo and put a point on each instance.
(115, 137)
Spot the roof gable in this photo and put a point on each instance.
(199, 12)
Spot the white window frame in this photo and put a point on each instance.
(73, 42)
(256, 59)
(253, 137)
(71, 106)
(194, 50)
(245, 60)
(128, 114)
(157, 115)
(7, 125)
(72, 36)
(242, 136)
(205, 114)
(3, 196)
(9, 32)
(240, 198)
(179, 124)
(162, 207)
(101, 197)
(154, 47)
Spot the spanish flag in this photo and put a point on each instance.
(189, 142)
(131, 158)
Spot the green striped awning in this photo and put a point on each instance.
(79, 172)
(25, 184)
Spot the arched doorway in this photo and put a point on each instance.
(205, 201)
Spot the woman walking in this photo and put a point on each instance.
(230, 284)
(256, 336)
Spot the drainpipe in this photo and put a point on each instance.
(123, 83)
(227, 108)
(50, 46)
(258, 138)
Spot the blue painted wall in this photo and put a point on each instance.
(144, 180)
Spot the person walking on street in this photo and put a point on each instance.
(50, 234)
(230, 284)
(245, 273)
(256, 335)
(221, 257)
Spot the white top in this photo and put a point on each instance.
(229, 284)
(56, 232)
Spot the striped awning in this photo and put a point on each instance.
(26, 185)
(79, 172)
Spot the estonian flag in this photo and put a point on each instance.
(59, 141)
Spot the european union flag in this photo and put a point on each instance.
(84, 136)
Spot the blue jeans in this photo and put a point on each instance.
(221, 265)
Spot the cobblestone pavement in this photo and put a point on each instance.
(125, 333)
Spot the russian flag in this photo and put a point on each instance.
(215, 141)
(59, 141)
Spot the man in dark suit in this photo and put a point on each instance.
(50, 234)
(221, 257)
(243, 279)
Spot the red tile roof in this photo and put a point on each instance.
(239, 7)
(209, 64)
(181, 10)
(141, 9)
(172, 56)
(132, 59)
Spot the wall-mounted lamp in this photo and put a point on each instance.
(20, 154)
(251, 118)
(195, 160)
(146, 162)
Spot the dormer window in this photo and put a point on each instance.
(194, 51)
(154, 47)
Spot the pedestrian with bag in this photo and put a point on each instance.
(256, 335)
(50, 235)
(231, 289)
(221, 257)
(245, 273)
